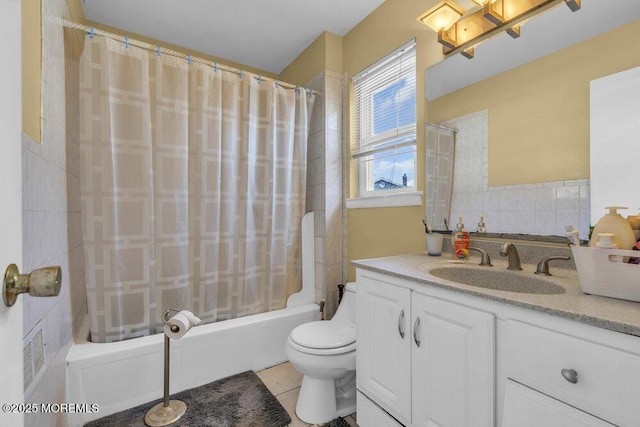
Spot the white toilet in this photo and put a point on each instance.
(325, 353)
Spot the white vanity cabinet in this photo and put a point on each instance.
(424, 360)
(383, 344)
(593, 370)
(485, 363)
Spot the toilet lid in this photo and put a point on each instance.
(324, 334)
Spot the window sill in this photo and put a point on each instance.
(413, 198)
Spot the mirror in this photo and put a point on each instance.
(615, 108)
(551, 156)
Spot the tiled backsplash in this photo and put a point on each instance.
(540, 208)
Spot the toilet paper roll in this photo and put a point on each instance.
(184, 320)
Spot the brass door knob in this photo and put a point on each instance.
(42, 282)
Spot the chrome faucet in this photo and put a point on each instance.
(508, 249)
(485, 260)
(543, 266)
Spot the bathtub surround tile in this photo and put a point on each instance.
(325, 186)
(51, 233)
(319, 249)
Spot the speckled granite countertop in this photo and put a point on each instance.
(608, 313)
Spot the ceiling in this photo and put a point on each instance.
(266, 35)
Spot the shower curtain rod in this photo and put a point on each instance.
(189, 58)
(443, 127)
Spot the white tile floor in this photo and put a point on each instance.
(284, 382)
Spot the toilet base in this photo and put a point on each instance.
(317, 403)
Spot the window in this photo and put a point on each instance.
(384, 144)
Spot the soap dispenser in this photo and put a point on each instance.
(615, 224)
(460, 239)
(482, 228)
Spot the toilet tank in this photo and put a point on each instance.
(346, 311)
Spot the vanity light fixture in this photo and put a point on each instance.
(459, 31)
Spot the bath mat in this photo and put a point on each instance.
(338, 422)
(237, 401)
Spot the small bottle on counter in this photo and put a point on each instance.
(460, 239)
(572, 234)
(481, 226)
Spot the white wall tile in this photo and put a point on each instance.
(333, 113)
(568, 198)
(546, 199)
(526, 199)
(585, 198)
(526, 221)
(563, 218)
(507, 222)
(507, 200)
(545, 222)
(319, 249)
(50, 190)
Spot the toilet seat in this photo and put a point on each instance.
(324, 337)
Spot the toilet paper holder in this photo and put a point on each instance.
(165, 319)
(167, 411)
(41, 282)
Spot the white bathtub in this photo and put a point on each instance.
(121, 375)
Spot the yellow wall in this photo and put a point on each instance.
(539, 112)
(31, 68)
(324, 53)
(389, 231)
(538, 116)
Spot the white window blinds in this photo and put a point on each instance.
(385, 106)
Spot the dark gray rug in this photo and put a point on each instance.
(338, 422)
(237, 401)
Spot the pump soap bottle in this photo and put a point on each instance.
(460, 239)
(482, 228)
(615, 224)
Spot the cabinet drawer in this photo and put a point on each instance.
(607, 380)
(371, 415)
(525, 407)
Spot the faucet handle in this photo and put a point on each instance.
(543, 266)
(484, 260)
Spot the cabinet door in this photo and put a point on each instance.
(453, 365)
(382, 353)
(525, 407)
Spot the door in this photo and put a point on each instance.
(11, 212)
(453, 353)
(383, 369)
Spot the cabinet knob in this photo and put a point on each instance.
(570, 375)
(415, 331)
(401, 324)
